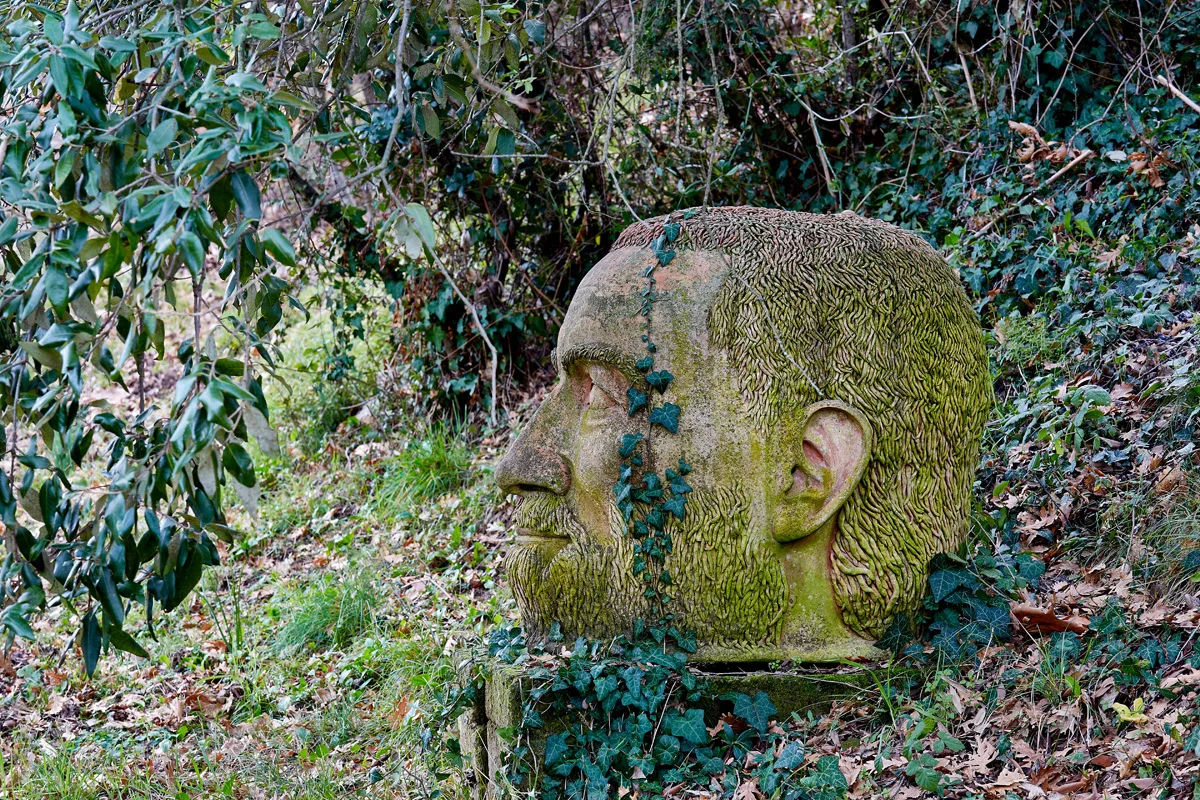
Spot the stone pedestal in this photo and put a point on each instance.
(487, 730)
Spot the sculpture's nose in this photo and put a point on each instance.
(535, 462)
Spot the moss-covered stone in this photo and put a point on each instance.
(833, 387)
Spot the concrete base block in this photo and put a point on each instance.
(486, 730)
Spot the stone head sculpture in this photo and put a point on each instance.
(834, 387)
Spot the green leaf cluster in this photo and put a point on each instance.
(626, 716)
(969, 599)
(131, 169)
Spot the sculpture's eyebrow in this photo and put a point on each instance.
(604, 355)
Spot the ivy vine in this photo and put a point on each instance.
(645, 499)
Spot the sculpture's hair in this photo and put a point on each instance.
(843, 308)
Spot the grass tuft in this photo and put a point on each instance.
(1023, 340)
(425, 470)
(330, 613)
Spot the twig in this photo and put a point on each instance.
(714, 142)
(487, 340)
(1189, 102)
(970, 87)
(1062, 80)
(825, 166)
(678, 66)
(398, 79)
(1084, 156)
(1079, 159)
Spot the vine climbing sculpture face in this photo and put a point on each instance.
(832, 387)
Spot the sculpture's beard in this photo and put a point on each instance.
(728, 587)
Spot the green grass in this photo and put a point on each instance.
(1023, 340)
(430, 466)
(331, 612)
(1172, 540)
(1154, 526)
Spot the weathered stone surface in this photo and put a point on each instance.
(834, 385)
(483, 728)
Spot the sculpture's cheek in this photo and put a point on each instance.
(597, 466)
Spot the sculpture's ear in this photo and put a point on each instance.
(829, 451)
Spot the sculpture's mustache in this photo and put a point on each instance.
(547, 515)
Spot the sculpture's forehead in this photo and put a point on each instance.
(609, 298)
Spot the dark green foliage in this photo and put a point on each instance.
(637, 400)
(119, 179)
(969, 599)
(666, 415)
(625, 715)
(660, 379)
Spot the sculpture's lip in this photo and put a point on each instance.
(531, 536)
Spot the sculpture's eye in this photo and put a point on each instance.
(601, 386)
(598, 398)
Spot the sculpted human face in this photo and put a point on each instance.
(750, 561)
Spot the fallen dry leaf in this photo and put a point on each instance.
(1044, 620)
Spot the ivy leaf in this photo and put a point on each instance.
(826, 782)
(660, 379)
(944, 581)
(664, 256)
(923, 774)
(666, 415)
(757, 710)
(628, 442)
(791, 758)
(645, 363)
(689, 726)
(1193, 740)
(671, 231)
(626, 509)
(676, 506)
(680, 486)
(556, 747)
(605, 686)
(637, 400)
(655, 518)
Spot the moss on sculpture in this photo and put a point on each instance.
(818, 307)
(833, 385)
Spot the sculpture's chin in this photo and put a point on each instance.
(581, 586)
